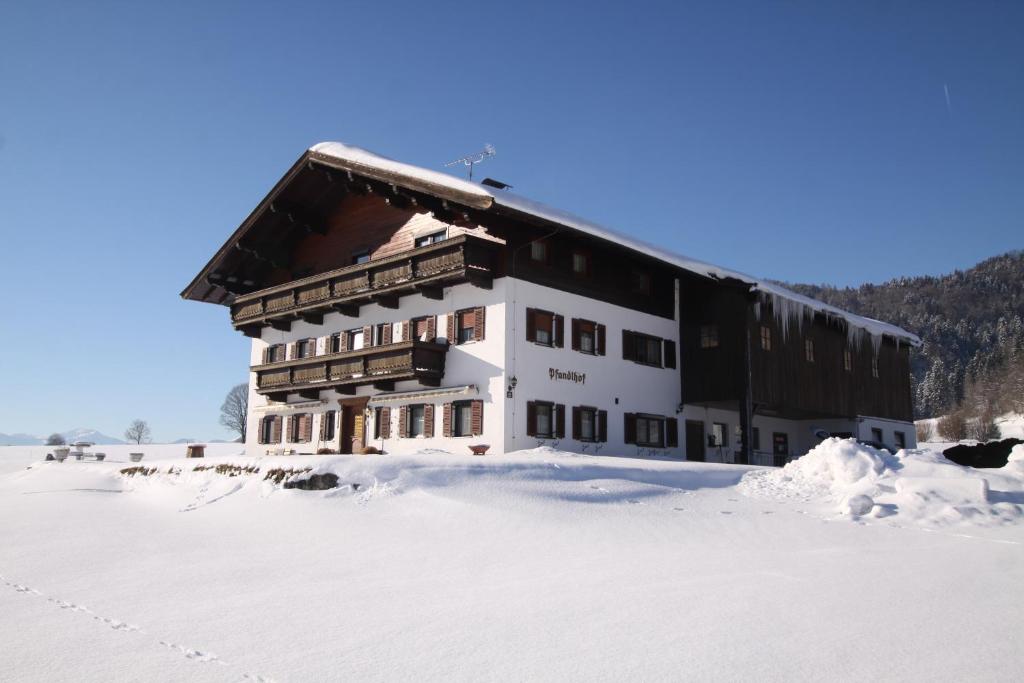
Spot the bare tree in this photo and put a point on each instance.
(55, 439)
(138, 431)
(953, 427)
(235, 409)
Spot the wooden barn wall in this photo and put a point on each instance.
(714, 374)
(609, 278)
(785, 381)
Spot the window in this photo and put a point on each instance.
(639, 282)
(544, 420)
(588, 337)
(433, 237)
(648, 350)
(355, 339)
(305, 348)
(539, 251)
(267, 430)
(382, 334)
(719, 434)
(766, 338)
(336, 342)
(544, 327)
(327, 426)
(645, 349)
(755, 442)
(901, 439)
(709, 336)
(809, 350)
(847, 360)
(649, 432)
(361, 256)
(588, 424)
(466, 323)
(416, 422)
(876, 435)
(580, 263)
(275, 353)
(422, 329)
(300, 428)
(874, 367)
(462, 418)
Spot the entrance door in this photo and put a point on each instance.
(694, 440)
(780, 448)
(353, 426)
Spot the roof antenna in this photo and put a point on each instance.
(473, 159)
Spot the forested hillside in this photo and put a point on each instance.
(972, 325)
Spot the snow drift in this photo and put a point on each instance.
(916, 485)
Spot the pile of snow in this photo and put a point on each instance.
(915, 485)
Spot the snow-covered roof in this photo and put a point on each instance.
(785, 302)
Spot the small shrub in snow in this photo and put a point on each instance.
(371, 450)
(227, 469)
(279, 474)
(925, 431)
(953, 427)
(138, 471)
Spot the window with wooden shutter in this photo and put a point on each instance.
(432, 328)
(266, 355)
(446, 420)
(531, 418)
(428, 420)
(403, 420)
(293, 350)
(600, 333)
(671, 432)
(629, 428)
(276, 429)
(575, 332)
(406, 330)
(559, 421)
(478, 323)
(343, 339)
(576, 419)
(559, 331)
(584, 336)
(477, 417)
(451, 328)
(262, 436)
(307, 427)
(670, 353)
(465, 324)
(367, 335)
(385, 423)
(628, 345)
(602, 425)
(531, 325)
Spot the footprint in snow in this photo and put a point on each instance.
(725, 512)
(599, 489)
(633, 501)
(679, 509)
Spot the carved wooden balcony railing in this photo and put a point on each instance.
(425, 270)
(380, 366)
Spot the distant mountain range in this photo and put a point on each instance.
(80, 434)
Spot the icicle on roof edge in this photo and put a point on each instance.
(787, 304)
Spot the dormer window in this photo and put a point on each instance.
(539, 251)
(360, 256)
(580, 263)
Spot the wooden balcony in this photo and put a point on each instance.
(424, 270)
(380, 366)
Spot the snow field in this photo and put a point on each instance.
(538, 565)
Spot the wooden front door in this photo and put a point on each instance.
(353, 426)
(694, 440)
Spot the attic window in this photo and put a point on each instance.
(433, 237)
(539, 251)
(360, 256)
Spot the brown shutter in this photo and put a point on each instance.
(432, 328)
(531, 326)
(559, 421)
(600, 334)
(263, 420)
(403, 421)
(575, 338)
(307, 427)
(670, 353)
(476, 417)
(266, 356)
(367, 336)
(406, 330)
(531, 418)
(630, 428)
(559, 331)
(575, 415)
(451, 327)
(446, 420)
(628, 345)
(478, 323)
(602, 425)
(327, 344)
(343, 341)
(294, 350)
(671, 432)
(428, 420)
(385, 423)
(323, 426)
(275, 430)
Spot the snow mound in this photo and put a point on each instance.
(916, 485)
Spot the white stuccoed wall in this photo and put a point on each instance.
(638, 388)
(479, 363)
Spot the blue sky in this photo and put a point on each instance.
(805, 141)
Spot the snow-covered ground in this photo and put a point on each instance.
(537, 565)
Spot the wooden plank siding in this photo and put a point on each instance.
(783, 381)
